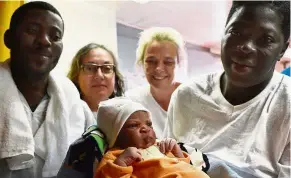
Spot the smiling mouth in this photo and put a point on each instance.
(243, 62)
(240, 68)
(158, 78)
(42, 56)
(45, 57)
(241, 65)
(96, 86)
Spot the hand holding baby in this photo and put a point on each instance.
(170, 145)
(128, 157)
(132, 154)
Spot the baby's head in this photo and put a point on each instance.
(125, 123)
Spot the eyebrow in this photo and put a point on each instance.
(238, 23)
(106, 62)
(268, 26)
(57, 29)
(132, 121)
(150, 56)
(33, 23)
(39, 25)
(169, 57)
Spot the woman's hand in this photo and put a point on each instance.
(128, 157)
(170, 145)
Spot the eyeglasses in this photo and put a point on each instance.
(91, 68)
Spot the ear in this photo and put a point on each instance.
(8, 38)
(283, 50)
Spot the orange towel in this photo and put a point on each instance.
(167, 167)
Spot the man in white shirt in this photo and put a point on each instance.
(241, 118)
(40, 114)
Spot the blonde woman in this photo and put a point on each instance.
(160, 52)
(94, 71)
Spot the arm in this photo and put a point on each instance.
(170, 145)
(284, 162)
(107, 167)
(168, 131)
(174, 113)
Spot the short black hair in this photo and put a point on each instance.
(281, 7)
(19, 14)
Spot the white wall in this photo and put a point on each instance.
(85, 22)
(202, 62)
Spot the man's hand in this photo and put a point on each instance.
(128, 157)
(170, 145)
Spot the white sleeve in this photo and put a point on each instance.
(81, 117)
(89, 116)
(284, 164)
(168, 131)
(175, 112)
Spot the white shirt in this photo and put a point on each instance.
(35, 119)
(58, 120)
(158, 114)
(247, 140)
(95, 114)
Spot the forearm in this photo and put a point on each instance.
(120, 163)
(284, 164)
(110, 169)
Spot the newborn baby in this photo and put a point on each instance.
(134, 151)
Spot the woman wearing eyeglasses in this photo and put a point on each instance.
(94, 71)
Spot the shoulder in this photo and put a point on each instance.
(4, 67)
(64, 82)
(197, 85)
(70, 95)
(138, 94)
(82, 109)
(281, 88)
(281, 83)
(66, 86)
(80, 118)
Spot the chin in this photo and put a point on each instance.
(160, 84)
(39, 72)
(146, 146)
(242, 82)
(41, 69)
(101, 96)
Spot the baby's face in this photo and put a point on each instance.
(137, 132)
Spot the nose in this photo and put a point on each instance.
(44, 39)
(247, 47)
(144, 129)
(160, 66)
(99, 74)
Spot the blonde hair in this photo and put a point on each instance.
(160, 34)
